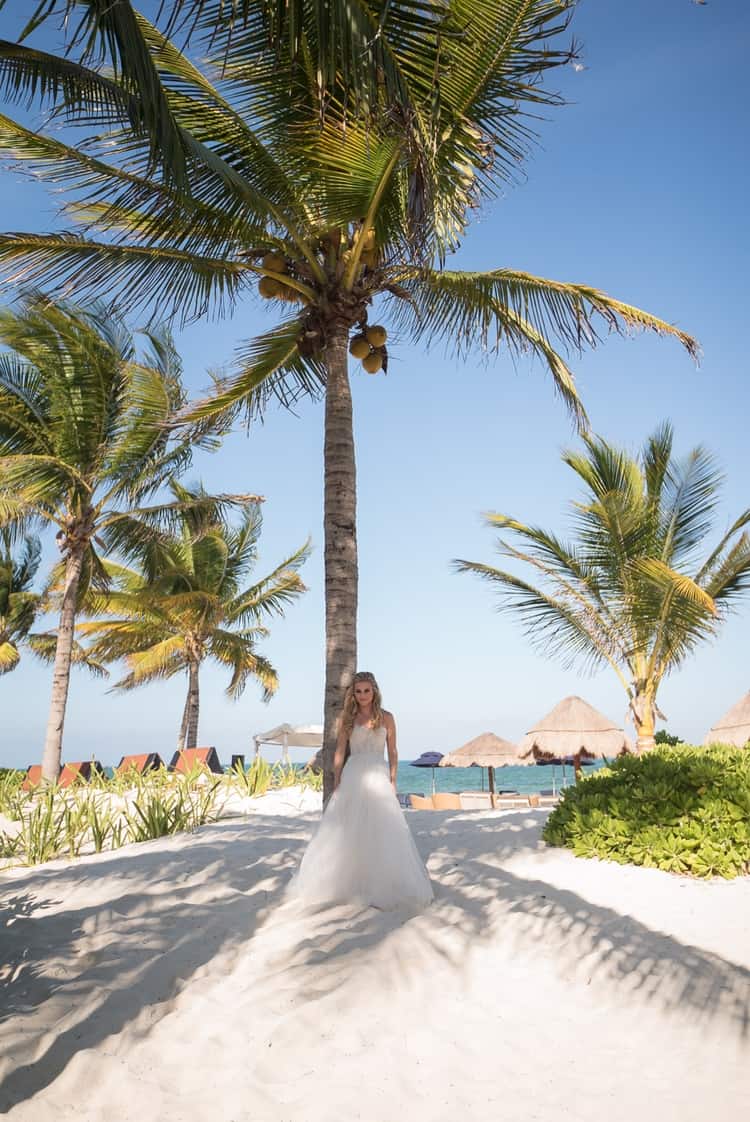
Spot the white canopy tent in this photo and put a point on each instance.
(288, 736)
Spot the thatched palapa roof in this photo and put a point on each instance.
(733, 727)
(574, 726)
(485, 750)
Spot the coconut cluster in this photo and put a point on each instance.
(273, 288)
(369, 347)
(336, 247)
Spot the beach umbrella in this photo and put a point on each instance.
(733, 727)
(574, 728)
(486, 750)
(428, 759)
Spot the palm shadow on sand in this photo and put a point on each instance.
(180, 910)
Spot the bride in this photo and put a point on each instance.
(363, 850)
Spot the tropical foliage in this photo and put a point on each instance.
(281, 186)
(19, 604)
(685, 810)
(108, 812)
(627, 591)
(83, 446)
(189, 601)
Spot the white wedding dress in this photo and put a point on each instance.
(363, 850)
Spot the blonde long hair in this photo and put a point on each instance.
(350, 708)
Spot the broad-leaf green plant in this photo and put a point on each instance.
(684, 810)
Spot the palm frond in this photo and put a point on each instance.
(466, 306)
(196, 284)
(270, 367)
(9, 656)
(44, 644)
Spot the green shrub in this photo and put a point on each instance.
(681, 809)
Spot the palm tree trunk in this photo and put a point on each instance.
(61, 674)
(184, 723)
(193, 704)
(340, 536)
(644, 716)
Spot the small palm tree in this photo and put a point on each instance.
(627, 591)
(329, 215)
(18, 603)
(83, 444)
(188, 602)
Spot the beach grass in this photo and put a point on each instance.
(107, 812)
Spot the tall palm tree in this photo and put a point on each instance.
(83, 444)
(188, 601)
(326, 213)
(628, 590)
(18, 603)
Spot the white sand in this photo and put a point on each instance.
(169, 982)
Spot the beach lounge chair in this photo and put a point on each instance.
(446, 800)
(145, 761)
(82, 770)
(511, 802)
(33, 777)
(475, 800)
(421, 802)
(187, 758)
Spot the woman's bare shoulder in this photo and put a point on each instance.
(388, 717)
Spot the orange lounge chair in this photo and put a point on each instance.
(421, 802)
(33, 777)
(187, 758)
(82, 770)
(146, 761)
(446, 800)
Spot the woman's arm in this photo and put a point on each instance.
(339, 757)
(390, 739)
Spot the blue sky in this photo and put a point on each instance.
(638, 186)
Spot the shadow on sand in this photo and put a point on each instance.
(166, 912)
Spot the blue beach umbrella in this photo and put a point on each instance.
(428, 759)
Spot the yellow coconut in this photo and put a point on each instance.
(373, 362)
(369, 239)
(268, 288)
(276, 262)
(359, 347)
(376, 335)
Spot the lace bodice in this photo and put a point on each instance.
(371, 741)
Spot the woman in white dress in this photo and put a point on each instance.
(363, 850)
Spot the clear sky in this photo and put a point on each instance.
(638, 186)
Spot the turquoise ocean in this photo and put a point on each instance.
(525, 780)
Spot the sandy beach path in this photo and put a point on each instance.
(170, 981)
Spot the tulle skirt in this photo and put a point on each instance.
(363, 851)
